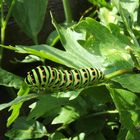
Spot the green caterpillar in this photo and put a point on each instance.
(63, 80)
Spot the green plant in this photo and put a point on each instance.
(112, 45)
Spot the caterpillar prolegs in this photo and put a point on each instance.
(63, 80)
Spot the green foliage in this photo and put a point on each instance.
(24, 129)
(129, 109)
(29, 15)
(89, 113)
(133, 83)
(18, 100)
(24, 90)
(10, 80)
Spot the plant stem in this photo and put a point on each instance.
(117, 73)
(87, 11)
(4, 23)
(67, 10)
(103, 112)
(2, 31)
(133, 56)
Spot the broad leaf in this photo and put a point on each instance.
(130, 82)
(47, 52)
(102, 43)
(66, 116)
(46, 104)
(56, 107)
(128, 106)
(69, 39)
(30, 14)
(10, 80)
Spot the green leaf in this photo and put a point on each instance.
(128, 106)
(102, 43)
(24, 129)
(10, 80)
(130, 82)
(59, 105)
(66, 116)
(30, 58)
(29, 15)
(49, 103)
(106, 16)
(69, 39)
(70, 94)
(51, 53)
(24, 90)
(130, 8)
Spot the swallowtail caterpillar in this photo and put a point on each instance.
(63, 80)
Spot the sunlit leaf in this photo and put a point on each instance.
(66, 116)
(51, 53)
(102, 43)
(24, 90)
(129, 8)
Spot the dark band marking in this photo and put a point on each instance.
(27, 81)
(38, 74)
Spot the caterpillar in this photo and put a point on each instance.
(63, 80)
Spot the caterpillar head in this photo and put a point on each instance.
(28, 79)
